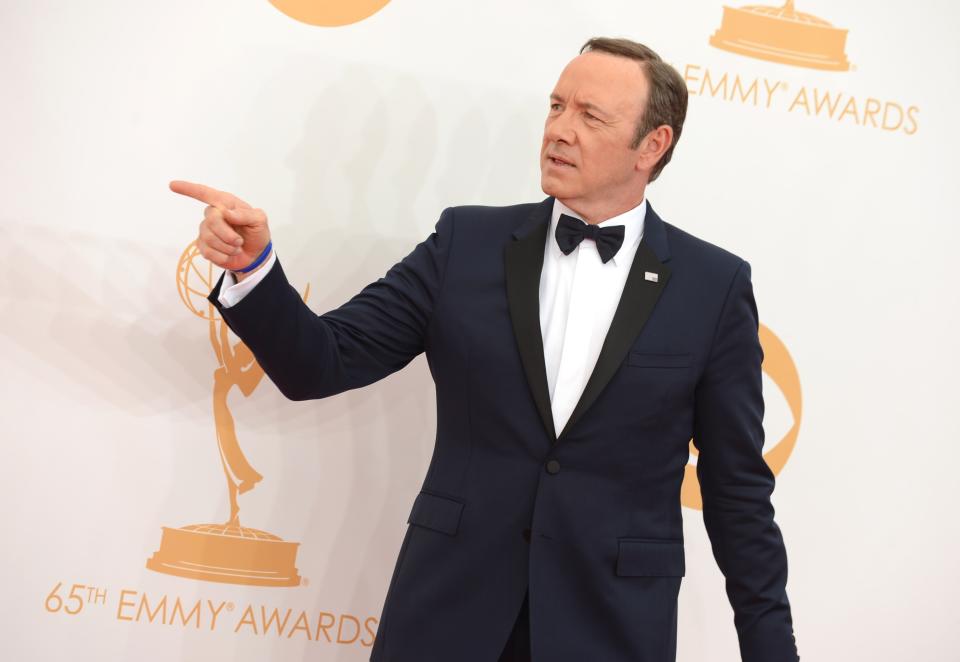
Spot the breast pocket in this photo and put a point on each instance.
(648, 360)
(660, 381)
(666, 376)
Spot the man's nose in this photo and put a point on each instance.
(560, 129)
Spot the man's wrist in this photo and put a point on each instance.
(240, 276)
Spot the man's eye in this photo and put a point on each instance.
(554, 106)
(590, 117)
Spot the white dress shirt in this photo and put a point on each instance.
(231, 292)
(579, 295)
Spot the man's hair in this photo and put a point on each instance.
(667, 103)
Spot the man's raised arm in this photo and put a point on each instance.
(378, 331)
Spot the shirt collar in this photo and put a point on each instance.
(632, 220)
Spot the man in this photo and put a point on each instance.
(577, 344)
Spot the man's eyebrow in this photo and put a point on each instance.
(586, 105)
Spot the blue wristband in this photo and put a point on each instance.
(260, 258)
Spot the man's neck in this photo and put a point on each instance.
(600, 212)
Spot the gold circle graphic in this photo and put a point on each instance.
(779, 366)
(329, 13)
(194, 280)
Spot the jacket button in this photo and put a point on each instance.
(553, 467)
(526, 535)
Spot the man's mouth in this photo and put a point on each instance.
(557, 161)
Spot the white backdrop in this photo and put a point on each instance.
(353, 139)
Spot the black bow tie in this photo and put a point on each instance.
(571, 231)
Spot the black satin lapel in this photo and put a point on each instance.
(524, 262)
(636, 303)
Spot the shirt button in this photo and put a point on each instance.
(553, 467)
(526, 535)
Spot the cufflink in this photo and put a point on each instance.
(651, 276)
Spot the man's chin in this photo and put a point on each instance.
(551, 186)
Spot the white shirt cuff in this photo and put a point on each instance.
(232, 292)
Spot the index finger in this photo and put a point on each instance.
(211, 196)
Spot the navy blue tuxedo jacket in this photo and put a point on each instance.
(588, 517)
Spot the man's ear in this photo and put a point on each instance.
(653, 146)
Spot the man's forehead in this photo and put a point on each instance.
(601, 80)
(606, 65)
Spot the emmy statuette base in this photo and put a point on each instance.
(228, 554)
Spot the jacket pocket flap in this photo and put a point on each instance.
(650, 558)
(436, 512)
(646, 360)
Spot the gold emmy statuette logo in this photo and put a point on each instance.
(225, 552)
(780, 367)
(784, 35)
(329, 13)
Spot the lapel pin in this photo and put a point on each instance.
(651, 276)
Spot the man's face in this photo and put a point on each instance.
(586, 159)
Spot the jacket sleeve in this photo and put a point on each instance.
(377, 332)
(736, 483)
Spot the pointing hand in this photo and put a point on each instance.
(232, 234)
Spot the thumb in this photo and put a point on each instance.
(249, 217)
